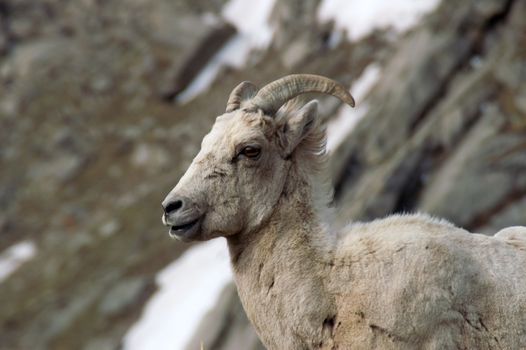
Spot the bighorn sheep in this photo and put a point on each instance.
(403, 282)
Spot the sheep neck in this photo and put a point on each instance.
(291, 228)
(279, 266)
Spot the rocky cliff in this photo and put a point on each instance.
(92, 136)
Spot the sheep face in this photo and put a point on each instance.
(237, 177)
(233, 182)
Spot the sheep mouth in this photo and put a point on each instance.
(184, 227)
(186, 231)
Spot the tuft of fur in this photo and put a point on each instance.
(311, 153)
(311, 159)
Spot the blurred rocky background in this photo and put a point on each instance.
(103, 105)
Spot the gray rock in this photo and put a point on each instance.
(122, 296)
(102, 344)
(88, 146)
(438, 142)
(511, 213)
(186, 69)
(297, 31)
(456, 191)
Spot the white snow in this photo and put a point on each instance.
(347, 117)
(13, 257)
(251, 19)
(188, 288)
(253, 32)
(359, 17)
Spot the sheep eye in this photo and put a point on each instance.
(251, 152)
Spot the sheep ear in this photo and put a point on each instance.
(299, 125)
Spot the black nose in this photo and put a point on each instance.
(173, 205)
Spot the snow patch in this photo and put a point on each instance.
(16, 255)
(253, 32)
(359, 18)
(251, 19)
(346, 118)
(188, 288)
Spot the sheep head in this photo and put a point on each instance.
(236, 179)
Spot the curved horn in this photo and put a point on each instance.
(274, 95)
(243, 91)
